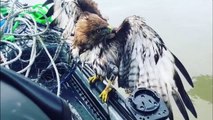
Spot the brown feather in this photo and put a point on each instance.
(89, 6)
(87, 23)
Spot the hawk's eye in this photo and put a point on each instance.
(84, 50)
(98, 30)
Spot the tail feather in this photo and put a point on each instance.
(180, 104)
(184, 95)
(171, 117)
(183, 70)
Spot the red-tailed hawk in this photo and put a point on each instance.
(133, 52)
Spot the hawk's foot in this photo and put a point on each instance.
(94, 78)
(105, 93)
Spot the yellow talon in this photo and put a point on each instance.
(93, 79)
(104, 94)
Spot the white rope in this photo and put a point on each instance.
(33, 32)
(54, 66)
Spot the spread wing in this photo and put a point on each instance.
(147, 62)
(65, 13)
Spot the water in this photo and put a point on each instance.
(202, 96)
(185, 27)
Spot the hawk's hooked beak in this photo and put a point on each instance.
(111, 32)
(110, 28)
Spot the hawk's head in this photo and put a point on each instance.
(90, 31)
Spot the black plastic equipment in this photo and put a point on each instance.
(145, 104)
(54, 107)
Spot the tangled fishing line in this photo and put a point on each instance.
(29, 47)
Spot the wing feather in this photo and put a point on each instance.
(65, 13)
(180, 104)
(147, 62)
(184, 95)
(183, 70)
